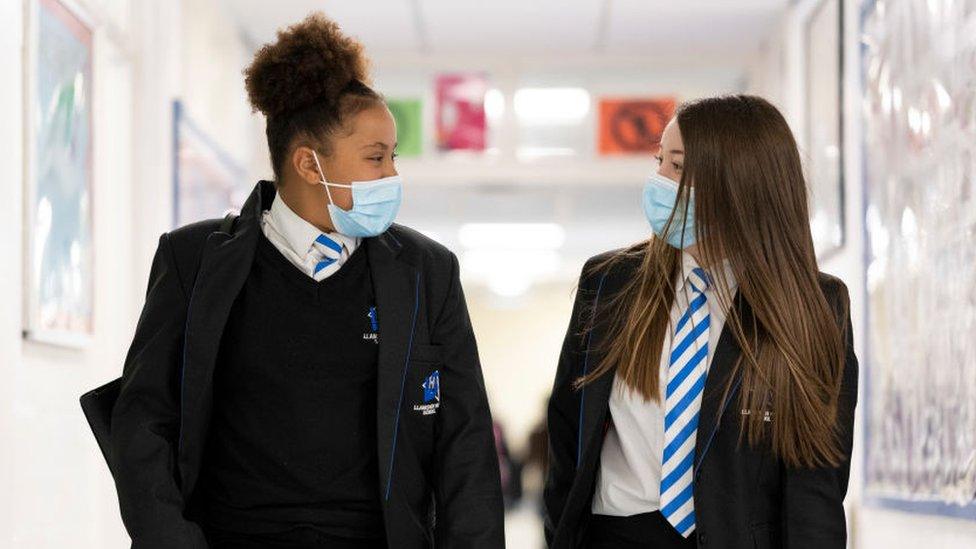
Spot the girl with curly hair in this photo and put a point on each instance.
(305, 375)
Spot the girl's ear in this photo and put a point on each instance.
(303, 159)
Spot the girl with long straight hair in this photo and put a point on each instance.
(706, 388)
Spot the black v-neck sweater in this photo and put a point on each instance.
(292, 440)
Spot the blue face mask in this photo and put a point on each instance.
(374, 205)
(659, 200)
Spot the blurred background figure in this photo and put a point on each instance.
(526, 130)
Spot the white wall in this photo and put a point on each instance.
(10, 244)
(57, 492)
(213, 54)
(56, 488)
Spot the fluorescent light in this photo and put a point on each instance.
(547, 106)
(527, 262)
(509, 285)
(519, 236)
(494, 104)
(510, 257)
(507, 272)
(533, 153)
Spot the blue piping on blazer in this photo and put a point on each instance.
(717, 423)
(403, 380)
(586, 360)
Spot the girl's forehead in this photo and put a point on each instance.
(374, 125)
(671, 135)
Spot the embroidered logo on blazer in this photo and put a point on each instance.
(432, 394)
(767, 414)
(374, 326)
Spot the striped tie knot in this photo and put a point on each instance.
(329, 250)
(700, 280)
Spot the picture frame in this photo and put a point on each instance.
(59, 252)
(823, 112)
(207, 180)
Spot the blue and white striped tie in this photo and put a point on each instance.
(328, 254)
(686, 381)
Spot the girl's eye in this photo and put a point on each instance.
(659, 158)
(377, 158)
(676, 166)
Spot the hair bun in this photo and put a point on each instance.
(310, 62)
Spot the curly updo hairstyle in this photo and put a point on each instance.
(308, 84)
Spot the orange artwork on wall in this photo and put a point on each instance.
(633, 126)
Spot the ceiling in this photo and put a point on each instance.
(541, 28)
(710, 34)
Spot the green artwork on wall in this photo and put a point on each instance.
(408, 114)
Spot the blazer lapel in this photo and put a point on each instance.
(224, 266)
(396, 285)
(719, 371)
(595, 397)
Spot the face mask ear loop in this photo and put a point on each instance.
(322, 175)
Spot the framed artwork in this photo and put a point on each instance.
(408, 114)
(823, 111)
(460, 117)
(632, 126)
(920, 224)
(59, 271)
(207, 181)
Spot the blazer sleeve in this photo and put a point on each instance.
(146, 417)
(562, 419)
(467, 484)
(814, 498)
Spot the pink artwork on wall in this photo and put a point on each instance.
(461, 123)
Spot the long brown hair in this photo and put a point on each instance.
(750, 208)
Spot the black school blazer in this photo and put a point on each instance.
(439, 476)
(744, 497)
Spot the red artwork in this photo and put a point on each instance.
(461, 123)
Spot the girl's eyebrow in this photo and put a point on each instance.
(673, 151)
(378, 144)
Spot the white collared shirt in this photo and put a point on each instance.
(293, 236)
(629, 476)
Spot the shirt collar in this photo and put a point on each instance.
(688, 264)
(300, 234)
